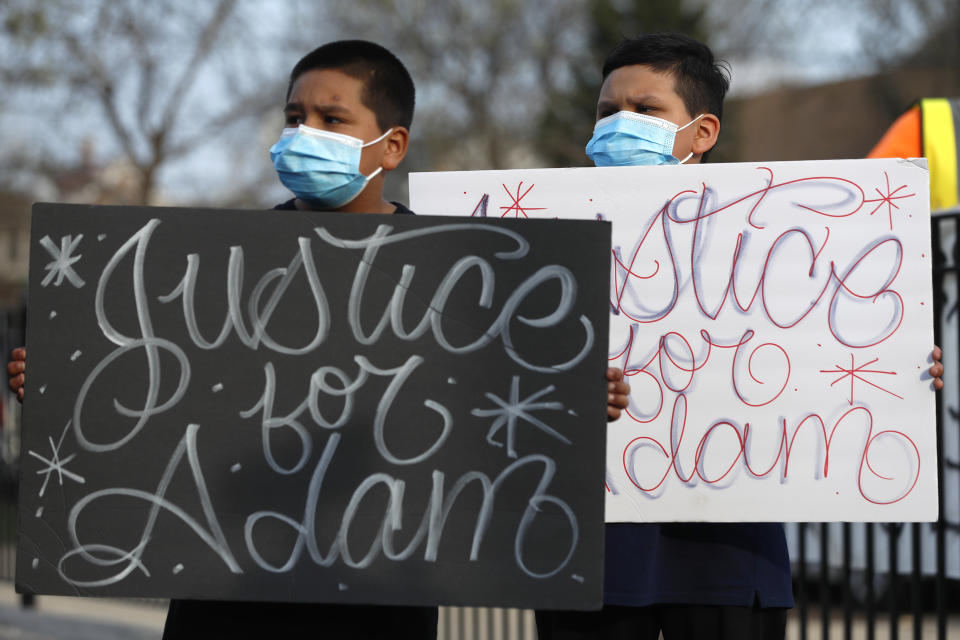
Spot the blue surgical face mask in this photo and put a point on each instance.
(321, 167)
(629, 139)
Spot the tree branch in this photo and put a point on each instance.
(204, 45)
(103, 88)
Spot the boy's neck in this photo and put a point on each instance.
(381, 206)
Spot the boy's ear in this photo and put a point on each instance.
(705, 135)
(396, 148)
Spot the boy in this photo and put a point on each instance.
(661, 103)
(348, 113)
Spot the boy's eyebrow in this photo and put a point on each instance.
(329, 108)
(318, 108)
(644, 100)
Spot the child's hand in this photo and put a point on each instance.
(17, 368)
(936, 370)
(618, 394)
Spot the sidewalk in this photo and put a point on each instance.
(881, 628)
(61, 618)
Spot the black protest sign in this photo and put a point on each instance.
(295, 406)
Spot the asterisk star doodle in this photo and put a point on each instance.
(516, 207)
(55, 464)
(888, 199)
(63, 260)
(509, 412)
(857, 373)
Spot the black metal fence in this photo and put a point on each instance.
(850, 580)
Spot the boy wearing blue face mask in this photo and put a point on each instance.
(348, 112)
(661, 103)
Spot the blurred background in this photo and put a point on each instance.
(176, 102)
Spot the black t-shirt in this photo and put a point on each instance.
(290, 206)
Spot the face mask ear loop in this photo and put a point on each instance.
(691, 122)
(388, 132)
(689, 155)
(379, 169)
(366, 179)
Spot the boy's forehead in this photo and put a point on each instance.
(637, 80)
(327, 84)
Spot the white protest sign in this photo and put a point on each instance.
(775, 324)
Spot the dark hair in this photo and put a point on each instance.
(387, 86)
(701, 81)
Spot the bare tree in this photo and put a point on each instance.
(147, 79)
